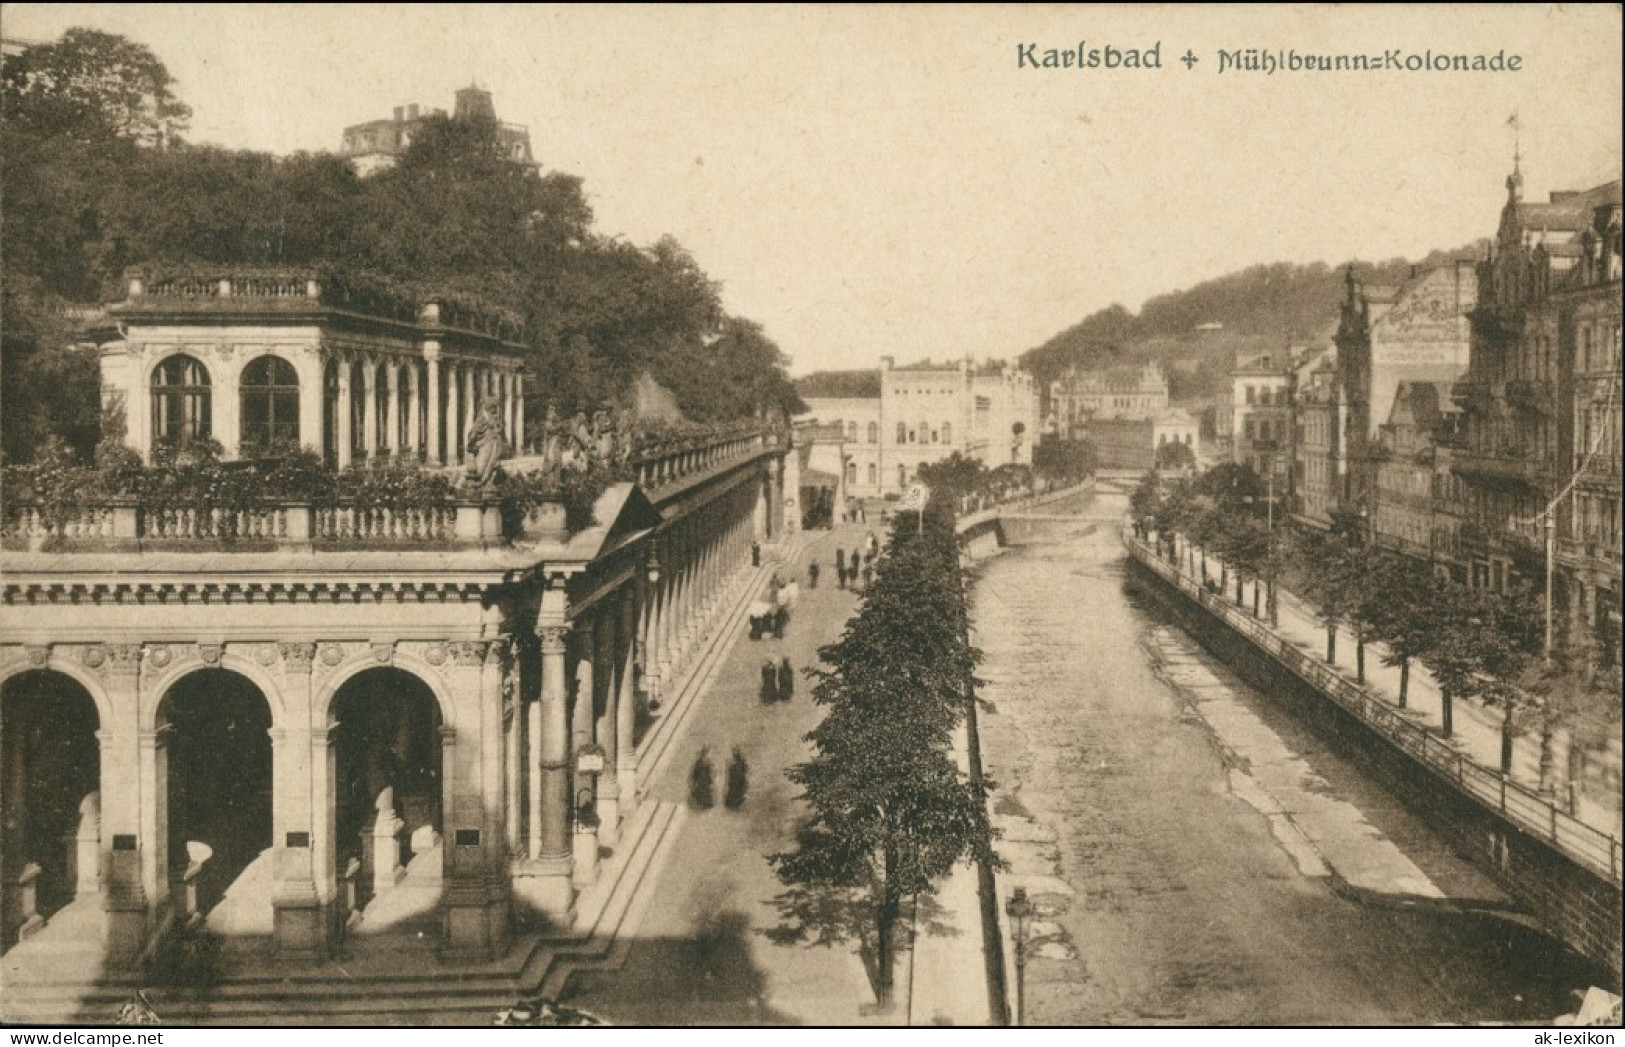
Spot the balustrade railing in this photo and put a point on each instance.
(663, 467)
(1585, 844)
(385, 525)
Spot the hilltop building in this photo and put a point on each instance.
(375, 145)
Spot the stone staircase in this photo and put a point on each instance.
(377, 981)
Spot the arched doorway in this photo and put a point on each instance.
(50, 796)
(388, 776)
(219, 791)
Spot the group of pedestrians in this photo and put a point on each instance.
(849, 568)
(702, 789)
(770, 612)
(778, 681)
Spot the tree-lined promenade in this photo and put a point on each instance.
(1485, 650)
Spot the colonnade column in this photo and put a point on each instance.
(431, 369)
(519, 413)
(296, 907)
(618, 794)
(392, 421)
(454, 434)
(551, 890)
(413, 410)
(471, 404)
(343, 443)
(124, 843)
(369, 409)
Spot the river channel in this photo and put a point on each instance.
(1197, 856)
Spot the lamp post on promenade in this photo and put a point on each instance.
(1020, 910)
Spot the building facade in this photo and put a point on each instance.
(1115, 394)
(285, 722)
(1261, 414)
(261, 363)
(1416, 508)
(375, 145)
(925, 413)
(1540, 442)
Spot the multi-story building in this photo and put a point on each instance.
(375, 145)
(1540, 403)
(1317, 467)
(1125, 393)
(926, 412)
(1416, 509)
(1261, 413)
(1416, 332)
(1588, 544)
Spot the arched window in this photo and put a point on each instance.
(947, 432)
(874, 432)
(925, 432)
(852, 432)
(902, 477)
(180, 401)
(851, 472)
(902, 433)
(270, 397)
(874, 475)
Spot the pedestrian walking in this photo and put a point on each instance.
(787, 680)
(840, 559)
(733, 797)
(781, 618)
(700, 794)
(840, 575)
(812, 575)
(770, 683)
(868, 574)
(874, 545)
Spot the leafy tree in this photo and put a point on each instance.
(1175, 455)
(890, 813)
(1328, 582)
(1068, 461)
(1405, 620)
(92, 87)
(953, 478)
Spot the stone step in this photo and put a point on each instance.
(331, 995)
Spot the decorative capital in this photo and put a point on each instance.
(296, 657)
(553, 638)
(468, 652)
(124, 659)
(496, 651)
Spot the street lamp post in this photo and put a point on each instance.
(1020, 910)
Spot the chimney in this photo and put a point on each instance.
(398, 112)
(411, 112)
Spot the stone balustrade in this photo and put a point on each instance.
(662, 468)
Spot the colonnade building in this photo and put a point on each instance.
(264, 362)
(277, 727)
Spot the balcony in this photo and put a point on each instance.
(1514, 467)
(1471, 394)
(1589, 556)
(1529, 397)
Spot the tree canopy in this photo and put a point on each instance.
(97, 178)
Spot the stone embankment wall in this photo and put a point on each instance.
(1579, 904)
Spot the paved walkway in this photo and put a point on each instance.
(709, 949)
(1477, 730)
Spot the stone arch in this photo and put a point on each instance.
(218, 779)
(345, 671)
(50, 785)
(80, 675)
(391, 787)
(154, 692)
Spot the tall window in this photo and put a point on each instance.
(902, 433)
(874, 475)
(270, 398)
(874, 432)
(852, 432)
(180, 400)
(947, 432)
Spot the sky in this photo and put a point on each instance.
(895, 181)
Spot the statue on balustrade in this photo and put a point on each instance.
(553, 438)
(486, 438)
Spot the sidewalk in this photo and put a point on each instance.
(709, 948)
(1477, 730)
